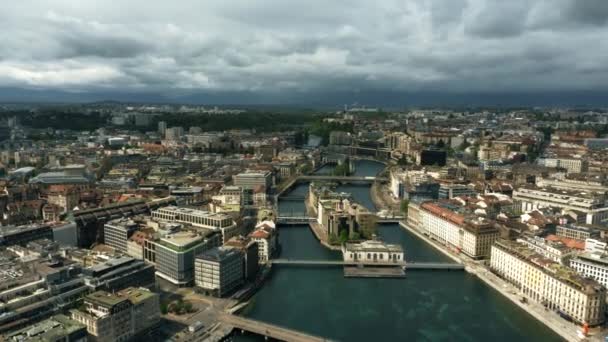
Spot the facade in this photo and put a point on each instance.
(219, 270)
(250, 252)
(593, 206)
(116, 233)
(119, 273)
(555, 286)
(578, 231)
(373, 251)
(21, 235)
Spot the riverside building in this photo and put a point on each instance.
(457, 229)
(555, 286)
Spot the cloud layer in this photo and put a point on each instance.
(277, 46)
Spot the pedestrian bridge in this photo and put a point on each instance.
(268, 330)
(407, 265)
(368, 179)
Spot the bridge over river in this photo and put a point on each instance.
(407, 265)
(268, 330)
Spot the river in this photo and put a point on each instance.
(425, 306)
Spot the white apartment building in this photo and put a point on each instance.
(593, 265)
(572, 165)
(265, 236)
(473, 237)
(548, 249)
(557, 287)
(592, 205)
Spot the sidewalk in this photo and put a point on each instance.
(567, 330)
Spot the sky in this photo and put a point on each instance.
(291, 51)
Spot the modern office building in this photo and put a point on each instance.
(219, 270)
(220, 222)
(449, 191)
(21, 235)
(174, 253)
(116, 233)
(119, 273)
(253, 180)
(580, 231)
(555, 286)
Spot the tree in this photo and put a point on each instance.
(343, 236)
(164, 308)
(402, 161)
(404, 206)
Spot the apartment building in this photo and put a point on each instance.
(557, 287)
(592, 206)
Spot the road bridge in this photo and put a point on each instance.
(269, 330)
(295, 219)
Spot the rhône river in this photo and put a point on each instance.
(425, 306)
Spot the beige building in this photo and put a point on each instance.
(555, 286)
(373, 251)
(472, 236)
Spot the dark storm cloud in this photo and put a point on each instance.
(304, 46)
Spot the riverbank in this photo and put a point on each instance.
(563, 328)
(317, 229)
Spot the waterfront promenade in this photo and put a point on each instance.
(567, 330)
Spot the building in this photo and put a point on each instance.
(265, 236)
(458, 230)
(592, 206)
(373, 251)
(252, 180)
(593, 265)
(572, 165)
(20, 235)
(451, 190)
(120, 316)
(173, 254)
(580, 231)
(118, 273)
(417, 185)
(58, 328)
(162, 128)
(219, 270)
(116, 233)
(251, 256)
(555, 286)
(220, 222)
(174, 133)
(340, 138)
(432, 157)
